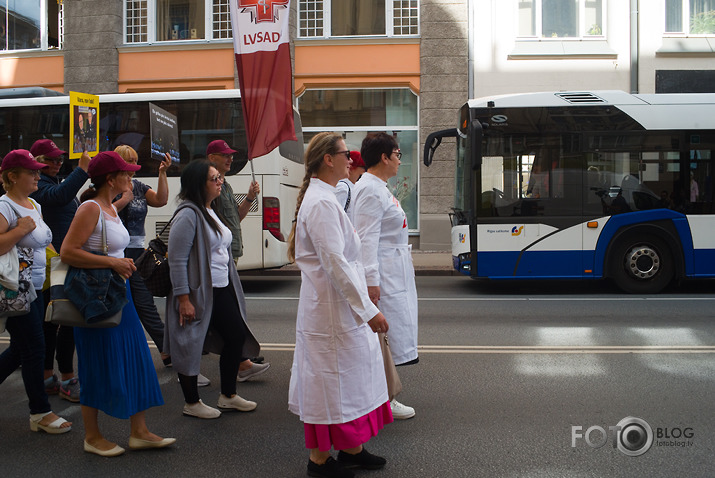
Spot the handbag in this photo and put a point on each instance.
(153, 265)
(63, 311)
(394, 385)
(16, 290)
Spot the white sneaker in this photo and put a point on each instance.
(200, 410)
(255, 370)
(400, 411)
(201, 381)
(235, 403)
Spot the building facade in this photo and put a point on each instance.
(401, 66)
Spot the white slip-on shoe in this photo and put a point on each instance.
(235, 403)
(200, 410)
(400, 411)
(255, 370)
(201, 381)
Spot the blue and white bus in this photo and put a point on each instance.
(588, 185)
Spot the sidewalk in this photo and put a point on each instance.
(426, 263)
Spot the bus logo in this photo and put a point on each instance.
(500, 118)
(516, 231)
(462, 237)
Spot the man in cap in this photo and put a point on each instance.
(219, 153)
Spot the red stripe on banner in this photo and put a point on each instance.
(265, 79)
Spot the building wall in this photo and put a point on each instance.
(444, 80)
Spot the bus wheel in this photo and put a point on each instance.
(642, 266)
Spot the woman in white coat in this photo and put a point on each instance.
(382, 226)
(337, 385)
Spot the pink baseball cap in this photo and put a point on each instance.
(219, 147)
(20, 158)
(109, 162)
(47, 148)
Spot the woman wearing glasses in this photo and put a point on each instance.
(206, 294)
(59, 202)
(382, 226)
(21, 224)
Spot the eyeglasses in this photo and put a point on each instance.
(399, 154)
(216, 179)
(346, 153)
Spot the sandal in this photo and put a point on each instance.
(54, 428)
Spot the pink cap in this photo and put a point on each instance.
(219, 147)
(357, 160)
(47, 148)
(20, 158)
(109, 162)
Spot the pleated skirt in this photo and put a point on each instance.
(342, 436)
(116, 371)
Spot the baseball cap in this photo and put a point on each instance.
(47, 148)
(219, 146)
(357, 159)
(109, 162)
(20, 158)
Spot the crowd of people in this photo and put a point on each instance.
(349, 240)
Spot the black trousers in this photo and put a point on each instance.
(227, 322)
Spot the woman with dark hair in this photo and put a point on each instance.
(381, 224)
(206, 308)
(338, 385)
(115, 366)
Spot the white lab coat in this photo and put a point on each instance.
(381, 224)
(338, 373)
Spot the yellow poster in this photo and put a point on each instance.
(84, 115)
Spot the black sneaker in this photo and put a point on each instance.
(329, 469)
(364, 459)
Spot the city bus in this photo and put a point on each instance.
(584, 185)
(202, 117)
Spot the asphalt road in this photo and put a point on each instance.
(506, 371)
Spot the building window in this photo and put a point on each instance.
(692, 17)
(21, 25)
(149, 21)
(561, 18)
(356, 112)
(340, 18)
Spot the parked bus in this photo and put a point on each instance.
(203, 116)
(587, 185)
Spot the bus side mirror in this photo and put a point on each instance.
(434, 140)
(476, 144)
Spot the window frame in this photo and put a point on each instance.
(685, 26)
(44, 29)
(151, 25)
(327, 23)
(538, 24)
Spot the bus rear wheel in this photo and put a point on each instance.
(642, 266)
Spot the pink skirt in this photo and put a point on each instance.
(342, 436)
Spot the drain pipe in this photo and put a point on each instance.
(634, 47)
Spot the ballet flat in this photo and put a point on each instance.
(140, 444)
(116, 451)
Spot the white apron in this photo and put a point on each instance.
(338, 373)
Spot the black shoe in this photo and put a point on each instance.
(329, 469)
(364, 459)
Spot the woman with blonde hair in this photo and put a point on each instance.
(338, 385)
(132, 205)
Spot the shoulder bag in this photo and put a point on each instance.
(153, 265)
(16, 289)
(100, 293)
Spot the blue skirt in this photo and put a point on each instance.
(116, 371)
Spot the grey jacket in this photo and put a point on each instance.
(190, 270)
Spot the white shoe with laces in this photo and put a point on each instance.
(400, 411)
(235, 403)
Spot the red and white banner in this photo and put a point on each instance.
(262, 50)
